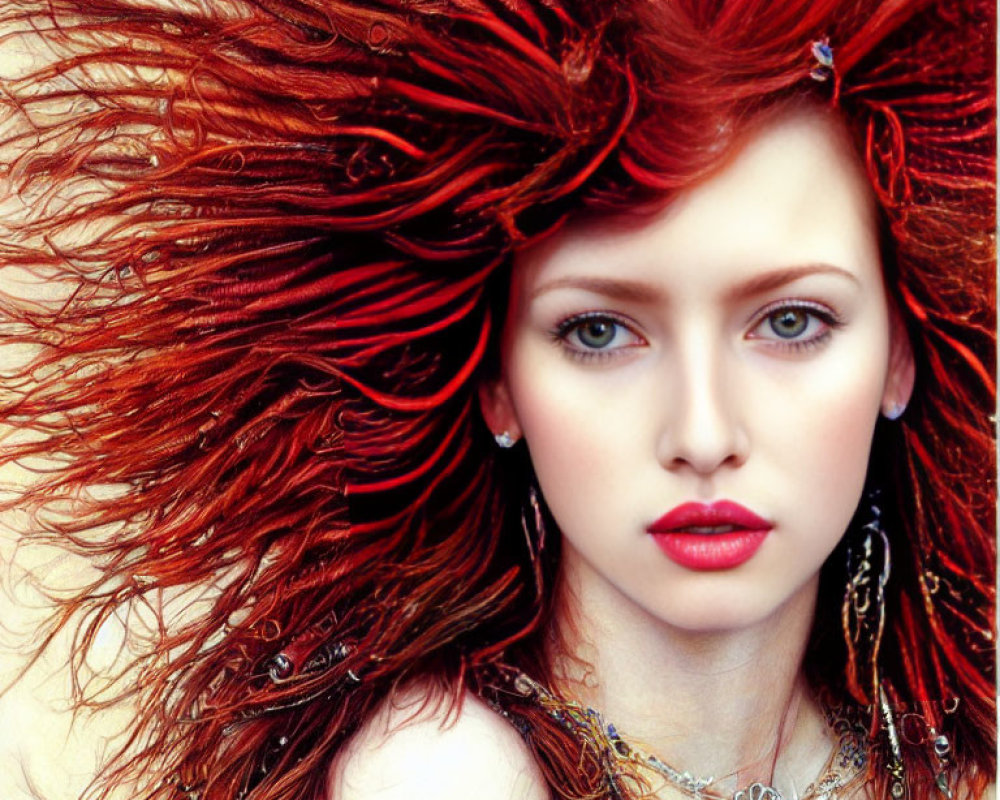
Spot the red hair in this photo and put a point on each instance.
(287, 224)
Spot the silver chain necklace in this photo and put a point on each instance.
(847, 761)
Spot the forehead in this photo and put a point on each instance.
(792, 192)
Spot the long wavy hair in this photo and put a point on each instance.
(280, 234)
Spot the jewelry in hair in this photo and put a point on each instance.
(280, 668)
(823, 54)
(505, 440)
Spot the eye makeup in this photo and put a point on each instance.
(596, 336)
(795, 325)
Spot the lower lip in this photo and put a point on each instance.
(709, 551)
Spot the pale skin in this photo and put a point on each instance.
(737, 345)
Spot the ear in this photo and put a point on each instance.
(497, 408)
(902, 373)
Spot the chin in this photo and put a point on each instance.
(716, 619)
(729, 612)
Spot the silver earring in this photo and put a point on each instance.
(942, 751)
(863, 610)
(895, 768)
(894, 411)
(505, 440)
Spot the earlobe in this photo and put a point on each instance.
(498, 412)
(902, 372)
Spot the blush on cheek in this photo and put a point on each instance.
(574, 458)
(562, 455)
(843, 438)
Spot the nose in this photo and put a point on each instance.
(702, 425)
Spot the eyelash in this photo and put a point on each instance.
(562, 332)
(560, 335)
(816, 310)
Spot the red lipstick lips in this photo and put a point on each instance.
(710, 536)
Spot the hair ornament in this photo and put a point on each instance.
(823, 54)
(280, 668)
(284, 666)
(351, 210)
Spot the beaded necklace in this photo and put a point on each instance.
(847, 763)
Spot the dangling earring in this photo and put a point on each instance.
(863, 609)
(897, 773)
(942, 752)
(863, 619)
(533, 525)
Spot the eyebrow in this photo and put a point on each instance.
(759, 284)
(615, 288)
(640, 292)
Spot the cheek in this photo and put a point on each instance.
(572, 439)
(821, 435)
(579, 432)
(841, 446)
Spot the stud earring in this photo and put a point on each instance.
(894, 411)
(504, 440)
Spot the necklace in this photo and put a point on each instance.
(847, 761)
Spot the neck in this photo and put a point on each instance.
(726, 703)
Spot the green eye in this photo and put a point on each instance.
(789, 323)
(596, 333)
(794, 324)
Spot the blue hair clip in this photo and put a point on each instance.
(823, 54)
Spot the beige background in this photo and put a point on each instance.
(43, 750)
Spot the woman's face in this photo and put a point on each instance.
(698, 389)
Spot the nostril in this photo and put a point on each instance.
(704, 441)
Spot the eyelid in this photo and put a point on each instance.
(565, 327)
(828, 318)
(820, 310)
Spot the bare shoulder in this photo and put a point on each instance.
(413, 749)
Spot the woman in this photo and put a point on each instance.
(678, 257)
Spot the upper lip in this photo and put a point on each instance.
(688, 517)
